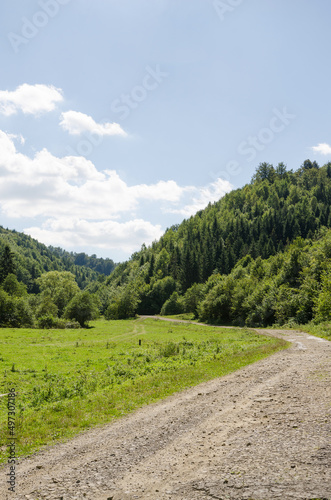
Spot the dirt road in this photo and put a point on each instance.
(260, 433)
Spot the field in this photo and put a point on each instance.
(70, 380)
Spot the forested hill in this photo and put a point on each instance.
(32, 259)
(259, 256)
(260, 220)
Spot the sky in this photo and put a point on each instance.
(120, 118)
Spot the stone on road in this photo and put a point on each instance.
(260, 433)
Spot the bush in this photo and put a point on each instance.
(46, 307)
(14, 311)
(192, 298)
(48, 322)
(323, 301)
(112, 311)
(174, 305)
(72, 325)
(124, 305)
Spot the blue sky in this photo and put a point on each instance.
(119, 118)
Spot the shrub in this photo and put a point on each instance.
(174, 305)
(14, 311)
(323, 301)
(49, 322)
(72, 325)
(112, 311)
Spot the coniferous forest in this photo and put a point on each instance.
(259, 256)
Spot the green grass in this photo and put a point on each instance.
(322, 330)
(70, 380)
(184, 316)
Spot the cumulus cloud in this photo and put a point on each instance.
(128, 236)
(30, 99)
(83, 206)
(18, 137)
(201, 196)
(77, 123)
(52, 187)
(323, 149)
(163, 190)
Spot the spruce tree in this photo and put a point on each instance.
(7, 265)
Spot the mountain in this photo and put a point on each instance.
(259, 256)
(256, 222)
(31, 259)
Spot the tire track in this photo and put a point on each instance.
(260, 433)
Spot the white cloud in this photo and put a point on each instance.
(77, 123)
(108, 234)
(323, 149)
(83, 206)
(200, 197)
(19, 137)
(30, 99)
(163, 190)
(54, 187)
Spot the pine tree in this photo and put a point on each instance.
(7, 264)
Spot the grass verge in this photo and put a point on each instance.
(323, 330)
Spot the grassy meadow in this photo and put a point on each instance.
(70, 380)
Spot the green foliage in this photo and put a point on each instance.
(13, 287)
(193, 296)
(244, 259)
(46, 306)
(14, 311)
(174, 305)
(234, 237)
(7, 265)
(60, 287)
(154, 295)
(124, 305)
(82, 308)
(323, 300)
(162, 263)
(28, 259)
(112, 311)
(293, 287)
(50, 322)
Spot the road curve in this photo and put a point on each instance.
(260, 433)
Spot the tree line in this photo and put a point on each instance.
(258, 256)
(32, 259)
(256, 222)
(52, 300)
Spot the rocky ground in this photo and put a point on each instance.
(260, 433)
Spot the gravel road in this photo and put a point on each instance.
(260, 433)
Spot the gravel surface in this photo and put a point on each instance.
(260, 433)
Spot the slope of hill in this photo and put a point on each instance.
(260, 255)
(258, 221)
(33, 259)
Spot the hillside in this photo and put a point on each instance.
(32, 259)
(259, 256)
(256, 222)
